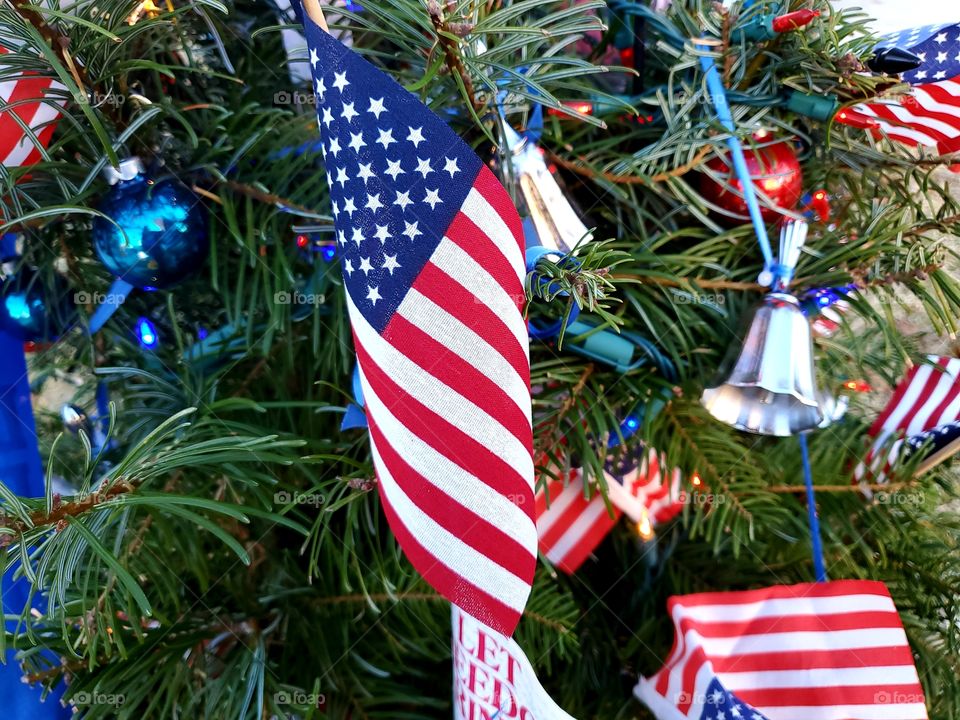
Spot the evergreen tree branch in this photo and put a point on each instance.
(582, 168)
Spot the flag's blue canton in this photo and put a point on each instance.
(397, 175)
(938, 46)
(626, 463)
(720, 704)
(938, 438)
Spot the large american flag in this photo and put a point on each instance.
(432, 259)
(930, 113)
(823, 651)
(571, 526)
(925, 406)
(21, 105)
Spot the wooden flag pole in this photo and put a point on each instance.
(313, 9)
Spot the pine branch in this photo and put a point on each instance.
(581, 168)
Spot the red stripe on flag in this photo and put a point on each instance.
(895, 402)
(825, 695)
(474, 530)
(588, 542)
(835, 588)
(929, 387)
(835, 659)
(792, 623)
(887, 113)
(564, 518)
(487, 185)
(456, 373)
(444, 437)
(552, 492)
(449, 583)
(439, 287)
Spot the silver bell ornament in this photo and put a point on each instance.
(771, 389)
(556, 222)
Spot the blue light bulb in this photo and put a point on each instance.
(631, 423)
(147, 333)
(17, 307)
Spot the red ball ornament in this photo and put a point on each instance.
(775, 171)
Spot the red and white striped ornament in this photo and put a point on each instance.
(23, 105)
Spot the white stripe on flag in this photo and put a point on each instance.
(800, 641)
(899, 711)
(575, 533)
(896, 131)
(909, 401)
(783, 607)
(922, 120)
(821, 677)
(945, 384)
(450, 405)
(459, 265)
(448, 477)
(466, 344)
(449, 550)
(485, 217)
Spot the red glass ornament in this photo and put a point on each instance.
(776, 173)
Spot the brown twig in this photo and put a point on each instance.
(872, 487)
(582, 169)
(62, 511)
(705, 283)
(551, 432)
(451, 51)
(265, 197)
(57, 41)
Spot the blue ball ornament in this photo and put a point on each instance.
(34, 311)
(159, 231)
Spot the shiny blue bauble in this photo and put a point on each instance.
(33, 311)
(159, 231)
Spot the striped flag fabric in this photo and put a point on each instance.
(927, 399)
(20, 106)
(570, 526)
(830, 651)
(432, 256)
(930, 113)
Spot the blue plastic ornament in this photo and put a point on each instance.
(159, 231)
(32, 311)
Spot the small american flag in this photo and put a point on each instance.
(928, 398)
(829, 651)
(930, 114)
(570, 526)
(19, 103)
(432, 258)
